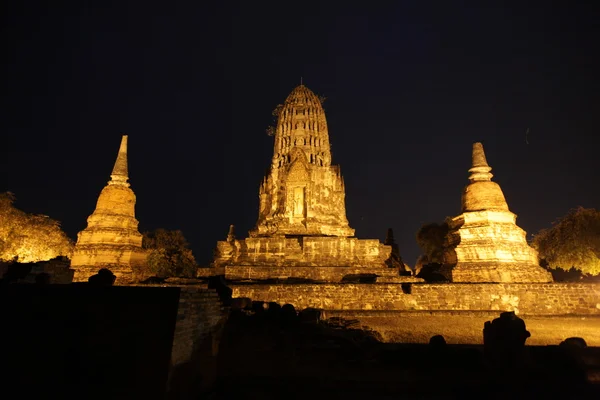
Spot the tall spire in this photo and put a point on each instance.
(120, 173)
(482, 193)
(389, 241)
(111, 238)
(480, 170)
(301, 125)
(303, 194)
(389, 237)
(231, 234)
(484, 244)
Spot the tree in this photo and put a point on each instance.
(272, 129)
(169, 254)
(29, 237)
(572, 275)
(572, 241)
(430, 239)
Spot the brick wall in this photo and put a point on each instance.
(533, 299)
(323, 274)
(198, 316)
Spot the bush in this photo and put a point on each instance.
(573, 241)
(169, 254)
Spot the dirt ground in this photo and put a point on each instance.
(458, 329)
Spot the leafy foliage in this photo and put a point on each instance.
(271, 129)
(169, 254)
(430, 239)
(572, 275)
(29, 237)
(572, 241)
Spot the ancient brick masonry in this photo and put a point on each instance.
(303, 194)
(302, 230)
(111, 239)
(200, 323)
(524, 298)
(484, 243)
(198, 315)
(486, 256)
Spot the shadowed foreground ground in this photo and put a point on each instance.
(466, 328)
(262, 357)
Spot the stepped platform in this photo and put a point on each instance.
(318, 274)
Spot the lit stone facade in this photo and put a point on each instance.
(484, 244)
(111, 239)
(303, 194)
(302, 230)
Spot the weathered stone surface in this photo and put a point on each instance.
(311, 257)
(302, 220)
(303, 251)
(303, 194)
(207, 272)
(111, 239)
(398, 279)
(317, 274)
(523, 298)
(484, 244)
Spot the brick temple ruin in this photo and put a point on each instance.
(303, 251)
(484, 244)
(302, 232)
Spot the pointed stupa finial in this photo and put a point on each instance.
(479, 159)
(389, 237)
(301, 81)
(480, 170)
(231, 234)
(120, 173)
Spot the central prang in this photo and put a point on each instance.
(302, 194)
(302, 230)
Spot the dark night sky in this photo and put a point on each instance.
(409, 86)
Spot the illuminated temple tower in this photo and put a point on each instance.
(484, 244)
(302, 230)
(303, 194)
(111, 239)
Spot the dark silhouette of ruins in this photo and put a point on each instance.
(96, 340)
(104, 277)
(504, 340)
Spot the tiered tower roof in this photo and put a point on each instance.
(482, 193)
(302, 125)
(302, 194)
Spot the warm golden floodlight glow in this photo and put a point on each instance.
(302, 230)
(27, 237)
(484, 244)
(111, 239)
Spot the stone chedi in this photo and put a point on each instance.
(111, 239)
(302, 230)
(484, 244)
